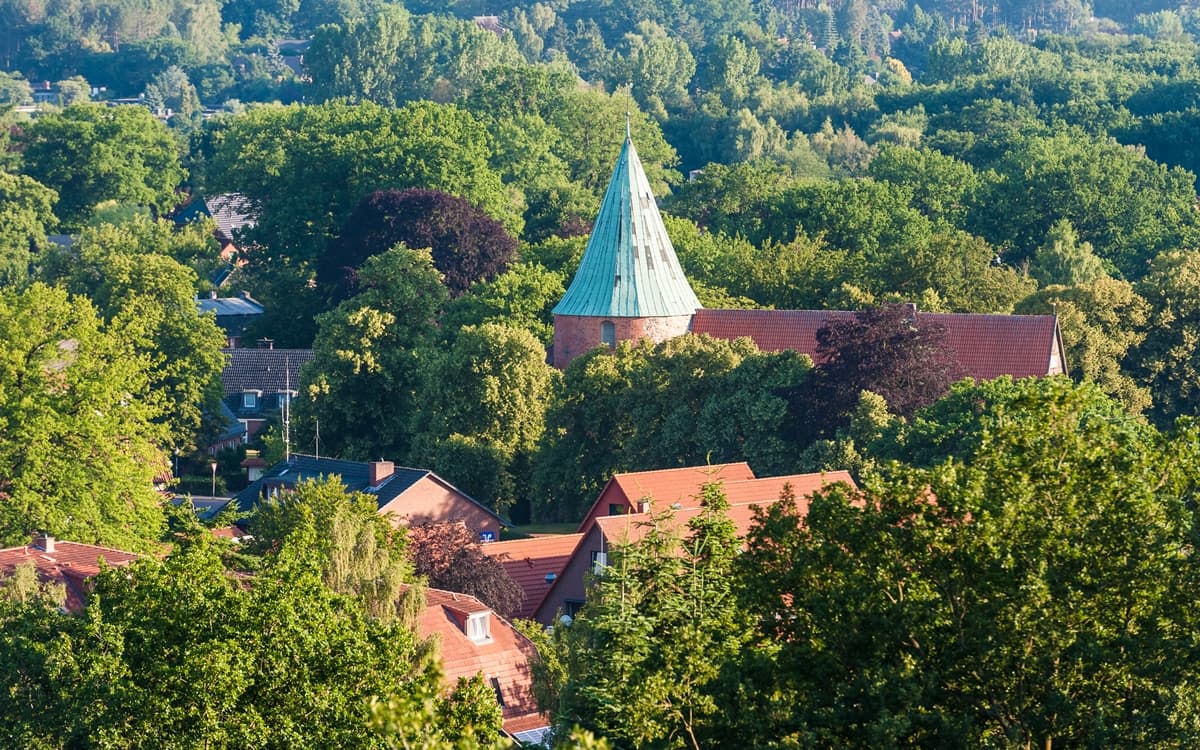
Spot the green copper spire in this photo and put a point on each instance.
(629, 269)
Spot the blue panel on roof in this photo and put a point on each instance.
(629, 269)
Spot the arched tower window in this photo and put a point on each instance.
(608, 334)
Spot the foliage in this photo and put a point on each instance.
(687, 401)
(89, 153)
(448, 556)
(521, 297)
(25, 215)
(81, 436)
(359, 552)
(1014, 595)
(147, 297)
(491, 388)
(889, 351)
(467, 245)
(645, 655)
(365, 359)
(1166, 361)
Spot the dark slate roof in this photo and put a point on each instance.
(265, 370)
(355, 478)
(987, 346)
(629, 268)
(229, 306)
(230, 211)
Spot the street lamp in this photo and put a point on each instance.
(213, 465)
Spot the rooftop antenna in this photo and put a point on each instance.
(318, 440)
(287, 408)
(628, 135)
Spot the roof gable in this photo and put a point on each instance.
(663, 485)
(529, 561)
(260, 369)
(629, 268)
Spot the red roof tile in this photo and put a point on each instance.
(529, 561)
(987, 346)
(69, 564)
(504, 657)
(664, 486)
(743, 498)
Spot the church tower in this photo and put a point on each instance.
(629, 285)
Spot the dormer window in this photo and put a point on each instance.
(249, 399)
(479, 627)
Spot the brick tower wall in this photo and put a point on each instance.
(574, 335)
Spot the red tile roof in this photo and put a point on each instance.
(529, 561)
(504, 657)
(987, 346)
(662, 485)
(743, 498)
(69, 564)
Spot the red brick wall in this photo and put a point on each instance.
(431, 501)
(575, 335)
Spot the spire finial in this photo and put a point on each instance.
(628, 136)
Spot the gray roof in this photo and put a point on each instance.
(231, 211)
(629, 269)
(266, 370)
(225, 306)
(354, 475)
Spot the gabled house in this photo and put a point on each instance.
(533, 564)
(568, 591)
(474, 640)
(630, 287)
(229, 211)
(233, 314)
(70, 564)
(258, 382)
(406, 495)
(631, 492)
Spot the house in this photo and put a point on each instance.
(533, 564)
(630, 287)
(473, 640)
(233, 314)
(69, 564)
(407, 495)
(231, 213)
(568, 591)
(258, 382)
(630, 492)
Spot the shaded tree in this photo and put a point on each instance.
(448, 556)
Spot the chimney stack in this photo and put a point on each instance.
(45, 541)
(378, 471)
(266, 343)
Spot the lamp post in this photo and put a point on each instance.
(213, 465)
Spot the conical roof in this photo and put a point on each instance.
(629, 269)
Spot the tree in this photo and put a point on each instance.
(25, 214)
(521, 297)
(1102, 324)
(179, 654)
(448, 556)
(89, 153)
(81, 431)
(889, 351)
(489, 389)
(1167, 360)
(365, 359)
(467, 245)
(1020, 593)
(1063, 259)
(645, 655)
(148, 298)
(685, 402)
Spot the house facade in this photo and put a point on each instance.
(630, 287)
(405, 495)
(678, 491)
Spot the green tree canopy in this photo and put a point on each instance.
(26, 212)
(89, 153)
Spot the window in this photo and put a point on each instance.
(571, 607)
(249, 400)
(478, 627)
(616, 509)
(599, 561)
(608, 333)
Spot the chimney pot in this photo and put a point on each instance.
(378, 471)
(212, 294)
(46, 542)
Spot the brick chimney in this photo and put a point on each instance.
(378, 471)
(45, 542)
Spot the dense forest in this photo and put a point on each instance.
(1017, 566)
